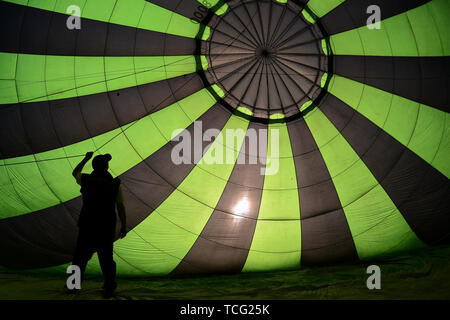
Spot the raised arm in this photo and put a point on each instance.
(122, 213)
(77, 171)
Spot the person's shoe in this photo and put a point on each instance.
(71, 291)
(108, 291)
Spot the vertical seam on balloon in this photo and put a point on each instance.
(276, 89)
(267, 86)
(258, 87)
(246, 27)
(280, 41)
(261, 23)
(238, 70)
(278, 24)
(259, 42)
(276, 42)
(306, 94)
(216, 29)
(266, 40)
(250, 82)
(242, 44)
(287, 74)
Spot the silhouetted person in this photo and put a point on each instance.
(101, 194)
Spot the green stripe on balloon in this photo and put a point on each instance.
(376, 224)
(422, 129)
(277, 240)
(140, 14)
(412, 33)
(41, 77)
(280, 194)
(322, 7)
(25, 180)
(159, 243)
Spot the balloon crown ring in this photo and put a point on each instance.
(271, 61)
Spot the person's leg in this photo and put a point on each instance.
(105, 257)
(83, 253)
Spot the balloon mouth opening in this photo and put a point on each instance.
(267, 57)
(265, 53)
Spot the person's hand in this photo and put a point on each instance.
(88, 155)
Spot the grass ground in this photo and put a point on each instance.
(423, 275)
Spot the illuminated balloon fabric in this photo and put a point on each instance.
(361, 113)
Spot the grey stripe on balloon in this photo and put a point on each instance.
(419, 191)
(224, 242)
(421, 79)
(325, 233)
(353, 14)
(36, 31)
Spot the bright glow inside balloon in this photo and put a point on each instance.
(241, 208)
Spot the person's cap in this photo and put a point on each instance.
(100, 162)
